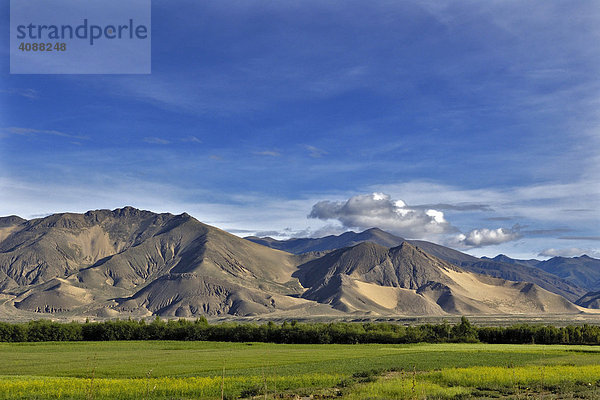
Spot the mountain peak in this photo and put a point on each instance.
(130, 211)
(11, 220)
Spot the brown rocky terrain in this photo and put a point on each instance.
(129, 262)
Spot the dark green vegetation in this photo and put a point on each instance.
(296, 333)
(186, 370)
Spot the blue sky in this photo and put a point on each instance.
(258, 114)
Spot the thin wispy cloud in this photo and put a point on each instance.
(156, 140)
(269, 153)
(545, 232)
(456, 207)
(31, 94)
(315, 152)
(579, 238)
(191, 139)
(33, 132)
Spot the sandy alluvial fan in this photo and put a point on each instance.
(129, 262)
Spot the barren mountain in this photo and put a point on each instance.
(507, 260)
(405, 279)
(513, 271)
(590, 300)
(129, 262)
(139, 262)
(583, 271)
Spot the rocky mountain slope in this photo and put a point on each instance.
(129, 262)
(505, 270)
(137, 262)
(590, 300)
(369, 277)
(583, 271)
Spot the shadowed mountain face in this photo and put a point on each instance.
(129, 262)
(507, 260)
(583, 271)
(590, 300)
(504, 268)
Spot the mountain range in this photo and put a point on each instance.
(501, 266)
(134, 263)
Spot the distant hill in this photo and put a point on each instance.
(581, 271)
(331, 242)
(506, 270)
(507, 260)
(590, 300)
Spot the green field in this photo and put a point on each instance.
(190, 370)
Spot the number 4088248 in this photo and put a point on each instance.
(43, 46)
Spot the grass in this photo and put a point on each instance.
(185, 370)
(20, 387)
(541, 382)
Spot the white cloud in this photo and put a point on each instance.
(547, 202)
(379, 210)
(484, 237)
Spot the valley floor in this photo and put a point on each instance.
(215, 370)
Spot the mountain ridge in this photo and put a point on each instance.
(506, 270)
(135, 263)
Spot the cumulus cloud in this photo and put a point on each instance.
(484, 237)
(568, 252)
(380, 210)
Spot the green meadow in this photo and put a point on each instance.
(215, 370)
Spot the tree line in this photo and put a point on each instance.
(295, 332)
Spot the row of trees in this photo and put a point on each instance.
(294, 332)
